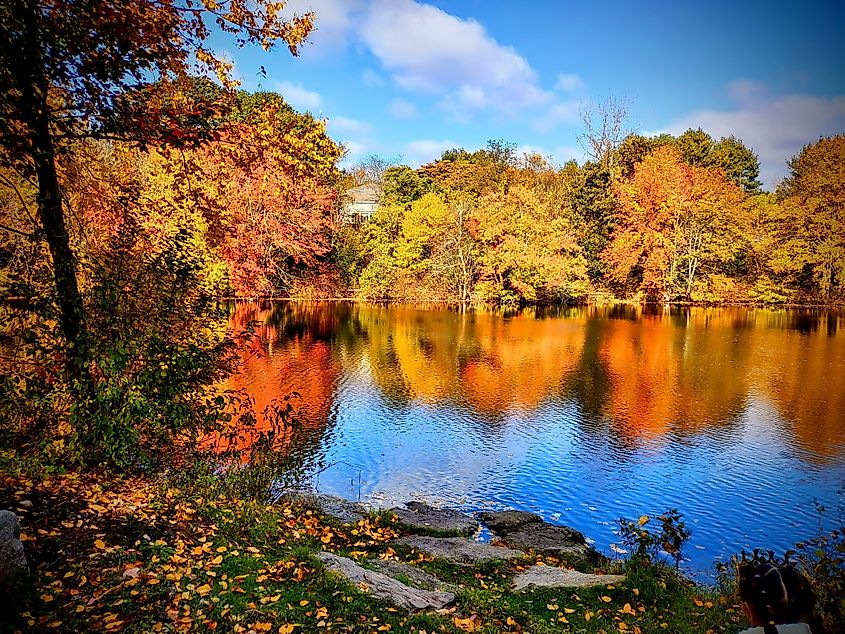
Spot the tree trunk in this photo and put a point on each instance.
(34, 87)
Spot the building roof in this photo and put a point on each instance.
(366, 193)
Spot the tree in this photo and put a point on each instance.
(632, 150)
(403, 185)
(674, 221)
(739, 162)
(695, 147)
(813, 196)
(530, 250)
(604, 129)
(71, 69)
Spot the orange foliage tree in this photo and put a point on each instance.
(675, 225)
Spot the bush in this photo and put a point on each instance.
(646, 543)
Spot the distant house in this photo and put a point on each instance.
(361, 203)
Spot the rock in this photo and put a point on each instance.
(553, 577)
(418, 515)
(504, 522)
(339, 508)
(418, 578)
(548, 539)
(458, 549)
(13, 566)
(385, 587)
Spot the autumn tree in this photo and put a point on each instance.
(813, 196)
(675, 222)
(529, 250)
(476, 172)
(67, 68)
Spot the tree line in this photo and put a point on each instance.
(650, 219)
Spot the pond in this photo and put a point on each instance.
(735, 416)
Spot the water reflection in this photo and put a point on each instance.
(557, 409)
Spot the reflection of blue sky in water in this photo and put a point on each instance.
(730, 463)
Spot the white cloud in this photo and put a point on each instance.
(298, 96)
(774, 127)
(560, 112)
(422, 151)
(345, 125)
(429, 50)
(569, 83)
(371, 78)
(333, 21)
(402, 109)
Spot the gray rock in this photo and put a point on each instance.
(339, 508)
(418, 515)
(504, 522)
(385, 587)
(458, 549)
(13, 566)
(418, 578)
(548, 539)
(553, 577)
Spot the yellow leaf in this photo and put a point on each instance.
(643, 519)
(698, 602)
(606, 598)
(99, 543)
(569, 610)
(204, 589)
(304, 602)
(217, 560)
(287, 628)
(552, 606)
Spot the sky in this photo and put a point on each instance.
(406, 79)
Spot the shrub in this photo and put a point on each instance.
(646, 541)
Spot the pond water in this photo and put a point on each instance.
(735, 416)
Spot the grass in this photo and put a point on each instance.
(139, 554)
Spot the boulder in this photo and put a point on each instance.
(504, 522)
(548, 539)
(553, 577)
(418, 578)
(385, 587)
(13, 565)
(458, 549)
(421, 516)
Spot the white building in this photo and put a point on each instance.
(360, 203)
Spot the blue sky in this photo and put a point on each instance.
(406, 78)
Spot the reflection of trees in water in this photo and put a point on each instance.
(291, 353)
(641, 373)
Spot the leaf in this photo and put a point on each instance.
(217, 560)
(99, 543)
(643, 520)
(204, 589)
(606, 598)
